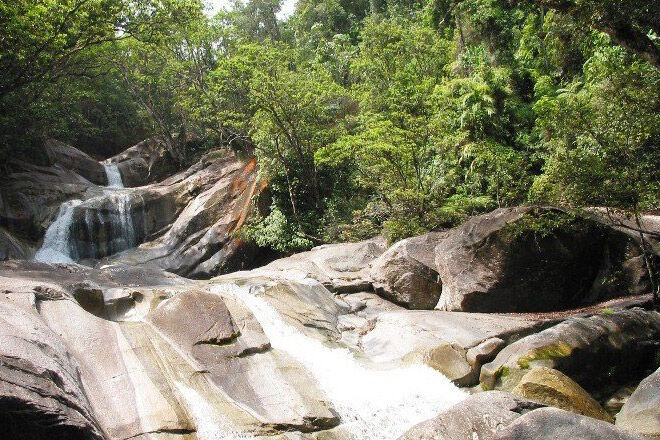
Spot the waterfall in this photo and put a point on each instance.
(107, 231)
(114, 176)
(125, 225)
(210, 424)
(374, 404)
(56, 247)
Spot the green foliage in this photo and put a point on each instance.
(541, 224)
(392, 117)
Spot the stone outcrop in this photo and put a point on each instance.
(342, 268)
(405, 274)
(534, 259)
(553, 388)
(211, 202)
(41, 396)
(31, 195)
(593, 351)
(146, 162)
(138, 349)
(73, 159)
(456, 344)
(556, 424)
(641, 412)
(12, 247)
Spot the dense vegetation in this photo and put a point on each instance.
(368, 117)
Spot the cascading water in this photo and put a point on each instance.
(114, 176)
(56, 247)
(107, 231)
(210, 424)
(374, 404)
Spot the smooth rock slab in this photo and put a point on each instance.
(41, 396)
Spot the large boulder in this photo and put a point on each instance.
(536, 259)
(73, 159)
(607, 349)
(641, 412)
(146, 162)
(405, 274)
(478, 417)
(553, 388)
(208, 204)
(556, 424)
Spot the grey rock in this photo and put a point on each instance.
(41, 396)
(501, 262)
(641, 412)
(556, 424)
(405, 274)
(478, 417)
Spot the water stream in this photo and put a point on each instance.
(58, 246)
(114, 176)
(374, 404)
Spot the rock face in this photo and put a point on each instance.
(591, 350)
(553, 388)
(41, 396)
(186, 220)
(555, 424)
(532, 259)
(12, 247)
(641, 413)
(477, 417)
(135, 352)
(211, 201)
(406, 274)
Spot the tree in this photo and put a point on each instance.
(602, 141)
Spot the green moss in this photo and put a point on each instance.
(607, 311)
(549, 352)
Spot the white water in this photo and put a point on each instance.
(210, 424)
(374, 404)
(114, 176)
(56, 248)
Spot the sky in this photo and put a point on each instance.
(216, 5)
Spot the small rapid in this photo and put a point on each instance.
(374, 404)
